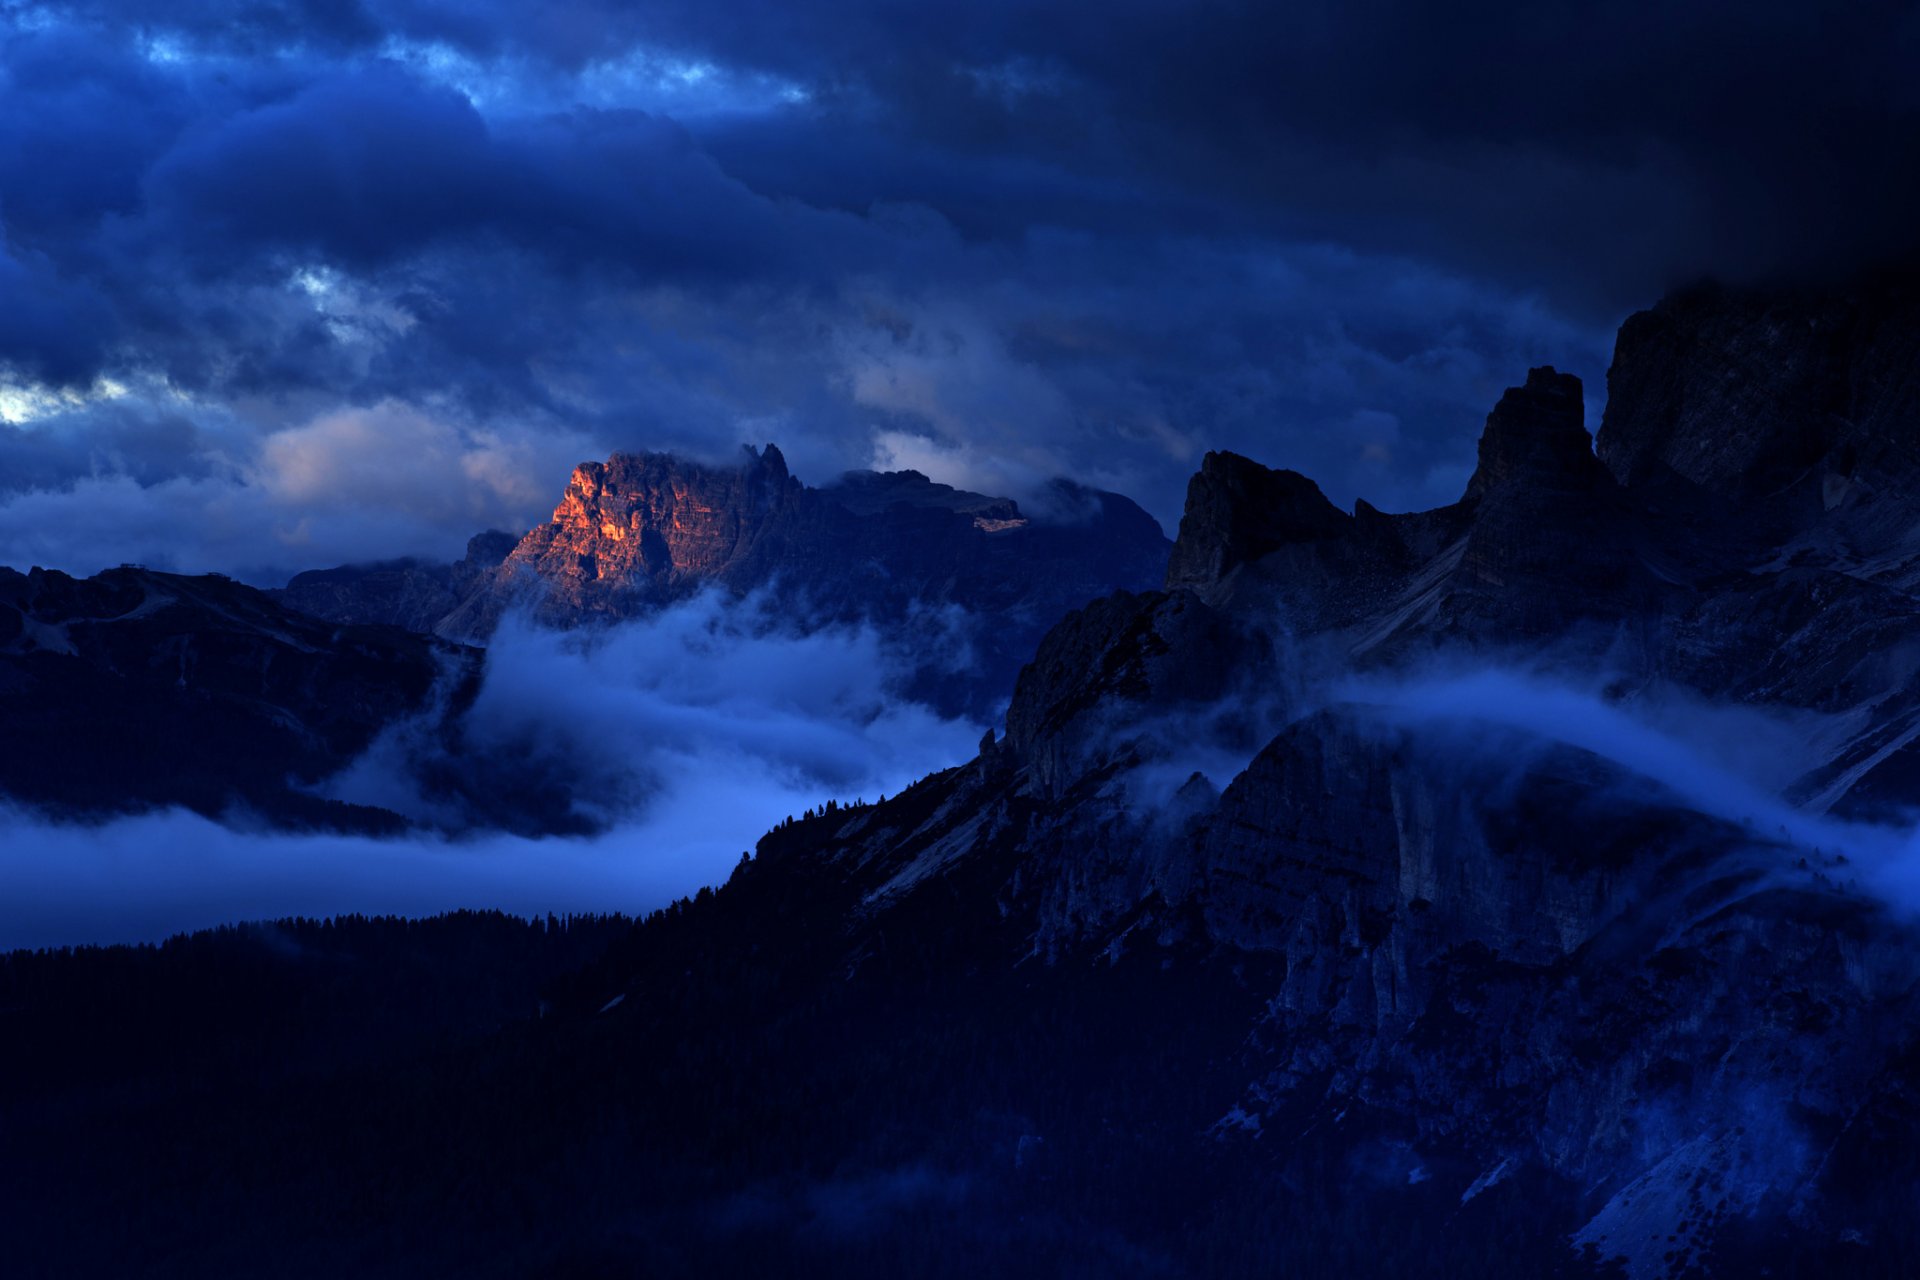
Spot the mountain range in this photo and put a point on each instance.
(137, 689)
(641, 532)
(1521, 887)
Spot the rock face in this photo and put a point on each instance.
(1239, 514)
(1510, 930)
(640, 531)
(1745, 395)
(135, 689)
(1540, 542)
(1103, 663)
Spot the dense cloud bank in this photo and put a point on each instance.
(672, 744)
(710, 710)
(1017, 244)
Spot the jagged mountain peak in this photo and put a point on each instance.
(1536, 437)
(649, 522)
(1240, 512)
(640, 531)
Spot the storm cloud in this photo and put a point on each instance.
(1022, 241)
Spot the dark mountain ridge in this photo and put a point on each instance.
(410, 592)
(136, 689)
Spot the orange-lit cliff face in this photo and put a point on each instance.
(641, 530)
(966, 577)
(652, 526)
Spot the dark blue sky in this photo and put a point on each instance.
(286, 284)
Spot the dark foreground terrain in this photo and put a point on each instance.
(381, 1098)
(378, 1098)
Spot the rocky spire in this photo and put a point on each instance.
(773, 463)
(1537, 436)
(1238, 512)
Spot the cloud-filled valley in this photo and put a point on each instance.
(669, 745)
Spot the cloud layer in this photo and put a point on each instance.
(678, 741)
(1013, 244)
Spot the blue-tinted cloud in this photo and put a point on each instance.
(680, 739)
(1024, 239)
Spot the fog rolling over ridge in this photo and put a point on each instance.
(740, 648)
(1731, 762)
(667, 745)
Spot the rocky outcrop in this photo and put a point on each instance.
(1238, 514)
(1778, 416)
(640, 530)
(1535, 441)
(1551, 545)
(1741, 394)
(1542, 540)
